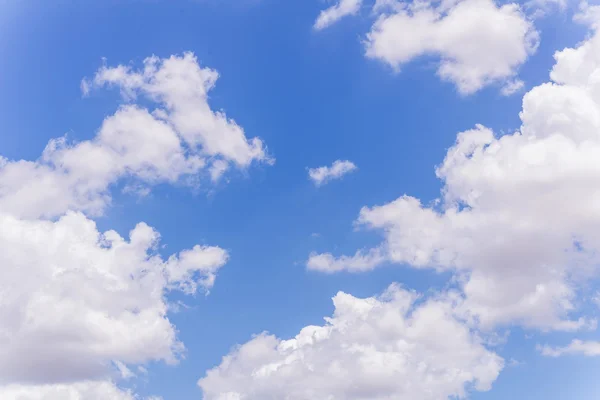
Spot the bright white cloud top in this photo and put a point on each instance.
(79, 299)
(322, 175)
(388, 347)
(519, 214)
(336, 12)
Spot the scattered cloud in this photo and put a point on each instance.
(517, 222)
(391, 346)
(337, 170)
(336, 12)
(81, 308)
(361, 261)
(512, 87)
(181, 87)
(588, 15)
(500, 39)
(576, 347)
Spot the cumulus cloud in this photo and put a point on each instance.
(576, 347)
(74, 300)
(181, 87)
(518, 218)
(337, 170)
(478, 42)
(172, 144)
(79, 307)
(336, 12)
(388, 347)
(130, 144)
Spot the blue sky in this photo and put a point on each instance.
(313, 97)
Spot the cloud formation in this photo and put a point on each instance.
(78, 306)
(75, 299)
(173, 144)
(336, 12)
(325, 174)
(517, 220)
(477, 42)
(388, 347)
(576, 347)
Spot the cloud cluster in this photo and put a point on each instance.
(518, 217)
(337, 170)
(389, 347)
(78, 306)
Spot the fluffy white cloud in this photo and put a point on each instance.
(131, 143)
(519, 214)
(171, 145)
(477, 41)
(181, 86)
(338, 169)
(73, 300)
(77, 391)
(591, 349)
(336, 12)
(79, 307)
(389, 347)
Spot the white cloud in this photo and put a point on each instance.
(337, 170)
(389, 347)
(336, 12)
(518, 219)
(588, 15)
(74, 300)
(131, 143)
(79, 307)
(171, 145)
(478, 42)
(512, 87)
(576, 347)
(181, 86)
(360, 261)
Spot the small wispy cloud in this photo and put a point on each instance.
(338, 169)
